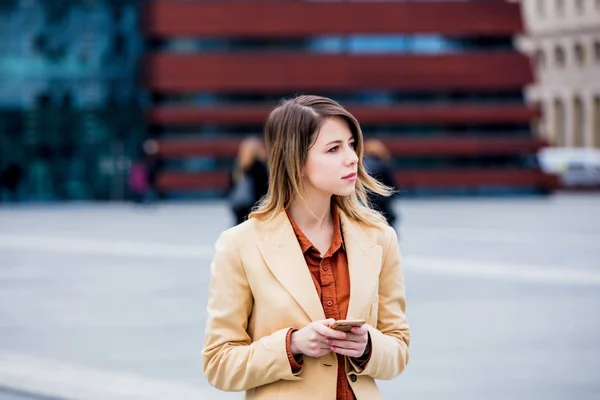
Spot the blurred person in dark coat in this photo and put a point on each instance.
(10, 180)
(376, 161)
(154, 165)
(249, 178)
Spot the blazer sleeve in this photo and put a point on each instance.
(231, 360)
(391, 338)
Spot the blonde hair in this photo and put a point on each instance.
(376, 148)
(290, 131)
(250, 150)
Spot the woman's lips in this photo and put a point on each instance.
(350, 177)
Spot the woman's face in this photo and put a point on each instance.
(331, 165)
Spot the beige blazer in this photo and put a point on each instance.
(261, 287)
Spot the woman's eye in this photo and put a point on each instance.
(353, 145)
(333, 149)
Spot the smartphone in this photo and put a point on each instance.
(345, 325)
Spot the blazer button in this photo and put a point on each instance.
(329, 303)
(353, 378)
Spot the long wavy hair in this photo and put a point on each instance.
(290, 131)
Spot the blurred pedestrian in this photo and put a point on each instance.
(10, 181)
(154, 165)
(138, 181)
(249, 178)
(311, 254)
(376, 162)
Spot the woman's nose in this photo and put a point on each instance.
(352, 158)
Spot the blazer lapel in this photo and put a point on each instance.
(364, 265)
(281, 251)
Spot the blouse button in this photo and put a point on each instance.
(325, 267)
(329, 303)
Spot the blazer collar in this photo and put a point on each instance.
(284, 257)
(279, 232)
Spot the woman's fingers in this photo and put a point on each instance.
(343, 344)
(319, 350)
(356, 338)
(328, 332)
(360, 330)
(347, 352)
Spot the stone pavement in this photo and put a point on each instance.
(107, 301)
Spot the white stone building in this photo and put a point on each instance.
(563, 39)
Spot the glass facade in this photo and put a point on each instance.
(69, 101)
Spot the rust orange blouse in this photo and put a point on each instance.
(332, 282)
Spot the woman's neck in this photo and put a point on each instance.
(313, 213)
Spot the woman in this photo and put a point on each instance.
(312, 253)
(249, 179)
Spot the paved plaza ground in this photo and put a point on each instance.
(108, 301)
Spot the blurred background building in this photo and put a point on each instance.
(563, 40)
(563, 37)
(83, 83)
(69, 97)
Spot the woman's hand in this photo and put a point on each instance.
(354, 345)
(312, 339)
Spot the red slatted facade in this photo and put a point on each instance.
(292, 71)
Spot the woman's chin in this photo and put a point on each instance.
(345, 191)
